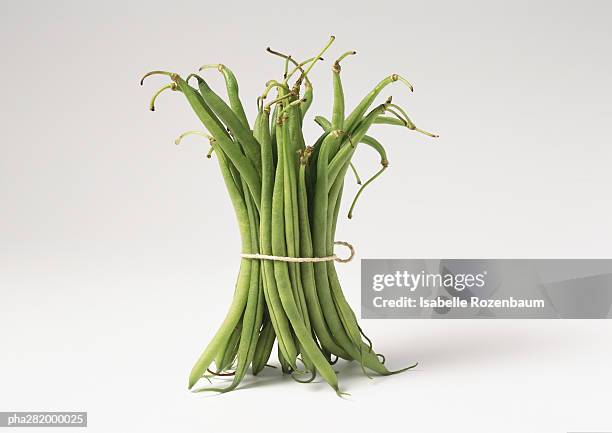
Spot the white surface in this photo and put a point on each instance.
(118, 253)
(127, 364)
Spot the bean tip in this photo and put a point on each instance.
(342, 394)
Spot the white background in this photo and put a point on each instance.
(118, 250)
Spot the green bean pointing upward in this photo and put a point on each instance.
(226, 115)
(244, 166)
(338, 109)
(231, 85)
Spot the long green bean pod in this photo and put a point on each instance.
(263, 350)
(243, 134)
(308, 277)
(338, 108)
(276, 312)
(242, 285)
(307, 344)
(307, 101)
(231, 85)
(230, 148)
(253, 313)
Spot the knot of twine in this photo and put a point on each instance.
(304, 259)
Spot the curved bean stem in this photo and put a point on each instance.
(353, 119)
(355, 173)
(171, 86)
(243, 134)
(364, 186)
(222, 138)
(187, 133)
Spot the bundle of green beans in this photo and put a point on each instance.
(286, 196)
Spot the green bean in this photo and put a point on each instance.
(226, 114)
(323, 123)
(225, 358)
(272, 127)
(242, 285)
(251, 321)
(231, 85)
(366, 139)
(375, 144)
(308, 279)
(264, 347)
(292, 225)
(347, 149)
(344, 316)
(277, 315)
(307, 344)
(285, 367)
(231, 149)
(290, 216)
(321, 247)
(294, 124)
(356, 115)
(343, 313)
(282, 230)
(386, 120)
(338, 109)
(308, 95)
